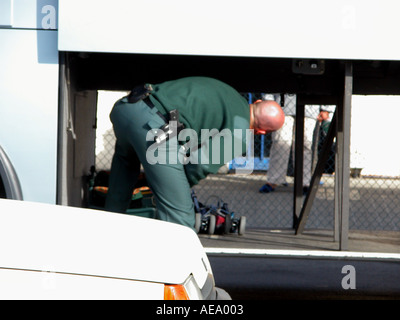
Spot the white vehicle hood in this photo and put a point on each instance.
(54, 238)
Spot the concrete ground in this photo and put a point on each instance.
(374, 214)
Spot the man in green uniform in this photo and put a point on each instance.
(203, 104)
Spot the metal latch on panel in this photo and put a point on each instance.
(308, 66)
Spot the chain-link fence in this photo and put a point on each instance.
(374, 200)
(271, 206)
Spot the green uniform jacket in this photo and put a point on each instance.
(205, 103)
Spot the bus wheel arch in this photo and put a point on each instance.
(10, 186)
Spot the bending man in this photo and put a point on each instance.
(198, 104)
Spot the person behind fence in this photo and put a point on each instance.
(282, 143)
(143, 129)
(325, 118)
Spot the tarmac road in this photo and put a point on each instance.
(252, 277)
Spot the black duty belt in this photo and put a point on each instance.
(143, 93)
(151, 105)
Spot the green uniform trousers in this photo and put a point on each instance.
(168, 182)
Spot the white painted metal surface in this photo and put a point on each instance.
(29, 108)
(29, 94)
(343, 29)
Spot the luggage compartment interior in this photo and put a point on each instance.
(87, 80)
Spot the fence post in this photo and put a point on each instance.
(342, 177)
(298, 162)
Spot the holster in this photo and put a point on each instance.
(142, 92)
(168, 130)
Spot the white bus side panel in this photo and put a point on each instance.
(29, 108)
(340, 29)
